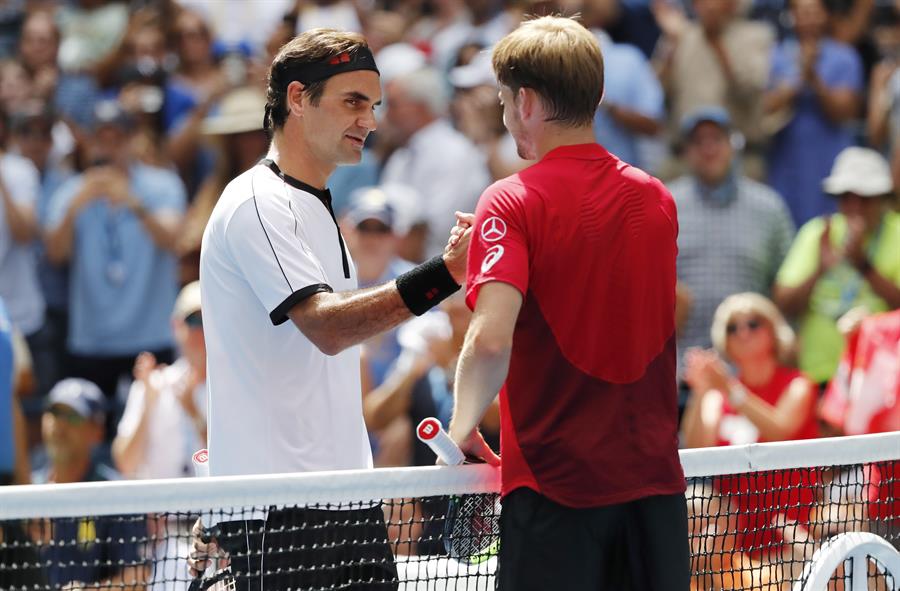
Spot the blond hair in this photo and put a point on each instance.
(753, 303)
(312, 46)
(560, 60)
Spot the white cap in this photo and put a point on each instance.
(862, 171)
(188, 301)
(399, 59)
(478, 72)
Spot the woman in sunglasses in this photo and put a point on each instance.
(765, 399)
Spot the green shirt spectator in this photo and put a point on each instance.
(842, 261)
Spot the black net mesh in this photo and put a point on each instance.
(754, 531)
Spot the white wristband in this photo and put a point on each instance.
(737, 395)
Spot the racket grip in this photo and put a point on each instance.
(431, 433)
(200, 460)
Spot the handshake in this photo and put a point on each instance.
(457, 248)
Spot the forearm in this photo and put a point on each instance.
(163, 232)
(772, 425)
(850, 28)
(877, 122)
(21, 220)
(701, 419)
(793, 301)
(128, 450)
(389, 400)
(22, 468)
(839, 105)
(336, 321)
(482, 370)
(779, 98)
(59, 240)
(884, 288)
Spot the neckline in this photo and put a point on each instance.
(323, 195)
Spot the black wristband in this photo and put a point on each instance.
(426, 286)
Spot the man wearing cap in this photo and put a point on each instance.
(116, 225)
(85, 551)
(734, 231)
(164, 421)
(842, 261)
(283, 319)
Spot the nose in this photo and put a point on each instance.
(367, 121)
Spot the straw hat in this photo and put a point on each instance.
(241, 110)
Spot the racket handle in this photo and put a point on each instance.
(201, 463)
(431, 433)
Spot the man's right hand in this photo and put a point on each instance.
(204, 549)
(457, 249)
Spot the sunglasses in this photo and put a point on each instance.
(751, 325)
(373, 228)
(194, 320)
(67, 414)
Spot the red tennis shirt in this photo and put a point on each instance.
(588, 410)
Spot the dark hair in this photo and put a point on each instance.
(313, 46)
(560, 60)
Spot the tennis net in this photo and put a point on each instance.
(762, 517)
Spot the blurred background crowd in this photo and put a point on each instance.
(774, 123)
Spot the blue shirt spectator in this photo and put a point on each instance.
(630, 83)
(802, 152)
(123, 285)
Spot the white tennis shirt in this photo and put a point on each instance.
(276, 403)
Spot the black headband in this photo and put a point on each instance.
(310, 73)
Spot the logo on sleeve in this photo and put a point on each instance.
(492, 256)
(493, 229)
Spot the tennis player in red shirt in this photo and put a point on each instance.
(571, 276)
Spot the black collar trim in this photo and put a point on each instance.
(323, 195)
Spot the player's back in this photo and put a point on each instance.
(589, 405)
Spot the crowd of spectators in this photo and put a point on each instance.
(774, 123)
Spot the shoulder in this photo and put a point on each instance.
(840, 52)
(760, 194)
(682, 189)
(14, 164)
(244, 192)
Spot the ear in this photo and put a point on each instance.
(296, 99)
(525, 103)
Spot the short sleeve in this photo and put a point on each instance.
(165, 192)
(499, 247)
(22, 181)
(782, 234)
(843, 68)
(803, 256)
(783, 68)
(262, 238)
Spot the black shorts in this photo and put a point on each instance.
(308, 549)
(641, 545)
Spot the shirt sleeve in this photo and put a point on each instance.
(23, 182)
(646, 92)
(803, 256)
(782, 228)
(499, 247)
(843, 68)
(262, 238)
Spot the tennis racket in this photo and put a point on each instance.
(220, 580)
(472, 523)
